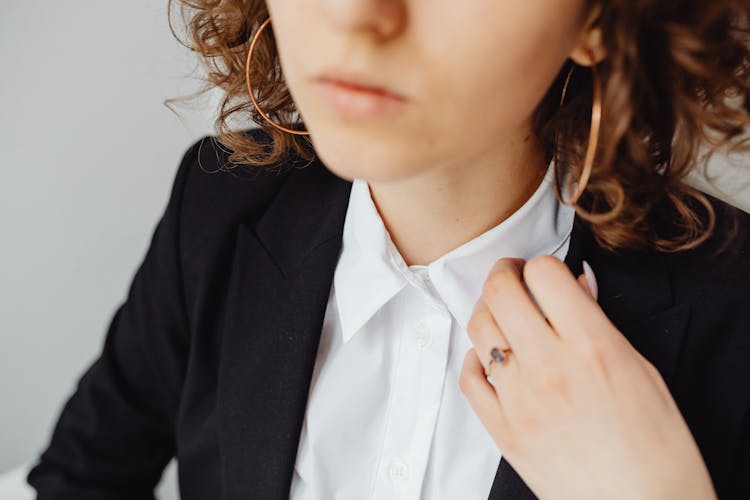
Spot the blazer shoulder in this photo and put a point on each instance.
(217, 192)
(217, 198)
(717, 270)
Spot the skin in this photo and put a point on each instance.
(457, 161)
(575, 409)
(460, 158)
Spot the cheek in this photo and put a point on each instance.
(475, 81)
(495, 75)
(287, 30)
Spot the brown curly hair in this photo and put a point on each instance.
(676, 82)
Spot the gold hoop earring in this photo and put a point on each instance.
(248, 65)
(596, 117)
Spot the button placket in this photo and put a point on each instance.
(420, 375)
(398, 470)
(422, 335)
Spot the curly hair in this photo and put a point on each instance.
(676, 89)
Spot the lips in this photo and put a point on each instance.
(356, 95)
(360, 82)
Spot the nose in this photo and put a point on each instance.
(382, 19)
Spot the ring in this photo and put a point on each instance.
(497, 356)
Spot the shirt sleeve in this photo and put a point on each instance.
(116, 433)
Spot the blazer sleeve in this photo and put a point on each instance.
(116, 432)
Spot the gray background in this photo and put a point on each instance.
(88, 153)
(87, 156)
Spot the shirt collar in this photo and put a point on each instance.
(371, 271)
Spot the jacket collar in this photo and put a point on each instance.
(281, 275)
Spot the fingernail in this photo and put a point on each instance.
(591, 279)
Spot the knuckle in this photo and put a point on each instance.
(587, 346)
(526, 419)
(551, 382)
(478, 323)
(547, 362)
(497, 280)
(653, 370)
(474, 324)
(594, 351)
(510, 446)
(540, 261)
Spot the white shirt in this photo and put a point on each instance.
(385, 417)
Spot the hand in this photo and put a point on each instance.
(574, 408)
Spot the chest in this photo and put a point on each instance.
(385, 416)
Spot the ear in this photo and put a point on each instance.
(589, 49)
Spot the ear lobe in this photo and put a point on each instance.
(590, 50)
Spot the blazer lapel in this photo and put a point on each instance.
(635, 294)
(280, 283)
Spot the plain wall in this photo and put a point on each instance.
(87, 156)
(88, 153)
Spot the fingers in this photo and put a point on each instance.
(567, 305)
(517, 317)
(483, 398)
(593, 287)
(486, 334)
(585, 285)
(587, 280)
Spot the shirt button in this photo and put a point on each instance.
(422, 335)
(423, 274)
(399, 471)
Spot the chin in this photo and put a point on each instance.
(373, 161)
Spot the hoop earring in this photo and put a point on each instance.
(248, 64)
(596, 117)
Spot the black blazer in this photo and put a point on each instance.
(209, 358)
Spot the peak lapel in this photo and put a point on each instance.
(279, 287)
(635, 294)
(280, 283)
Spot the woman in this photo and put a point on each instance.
(396, 306)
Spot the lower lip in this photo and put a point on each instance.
(354, 102)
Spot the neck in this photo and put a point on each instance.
(438, 210)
